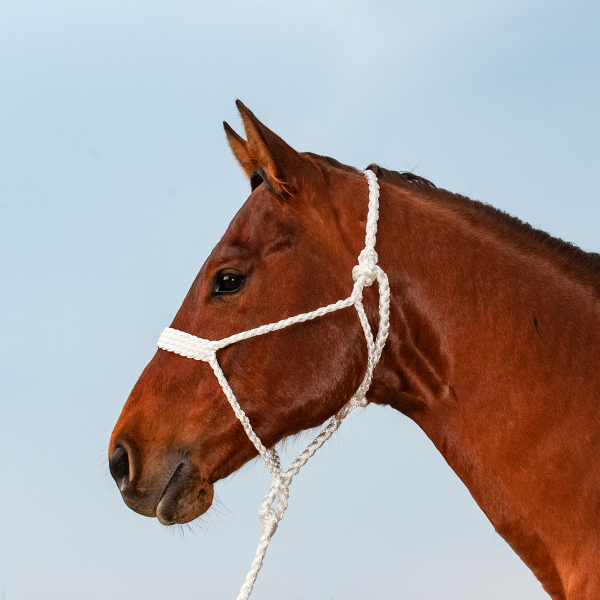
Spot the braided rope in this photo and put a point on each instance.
(364, 274)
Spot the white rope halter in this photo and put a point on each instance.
(364, 274)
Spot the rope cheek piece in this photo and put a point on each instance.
(364, 274)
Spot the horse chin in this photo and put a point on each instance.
(182, 503)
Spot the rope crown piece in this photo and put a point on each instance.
(364, 275)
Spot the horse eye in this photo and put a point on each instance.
(228, 282)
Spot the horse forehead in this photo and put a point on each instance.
(261, 219)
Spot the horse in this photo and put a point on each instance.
(493, 351)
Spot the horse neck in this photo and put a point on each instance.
(494, 352)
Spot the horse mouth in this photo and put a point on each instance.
(183, 500)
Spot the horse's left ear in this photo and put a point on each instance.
(239, 147)
(282, 165)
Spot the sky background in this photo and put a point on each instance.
(116, 182)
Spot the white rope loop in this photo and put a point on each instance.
(364, 274)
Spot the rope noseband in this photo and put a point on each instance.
(364, 274)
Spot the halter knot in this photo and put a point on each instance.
(269, 521)
(366, 269)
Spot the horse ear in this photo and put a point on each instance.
(239, 147)
(279, 161)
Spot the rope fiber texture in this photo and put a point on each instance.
(364, 274)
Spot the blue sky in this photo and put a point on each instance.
(115, 183)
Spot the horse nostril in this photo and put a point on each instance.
(119, 467)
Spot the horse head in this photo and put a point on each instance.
(289, 250)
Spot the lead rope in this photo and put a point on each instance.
(364, 274)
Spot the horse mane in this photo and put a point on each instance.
(569, 257)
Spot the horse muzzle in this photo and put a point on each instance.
(171, 489)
